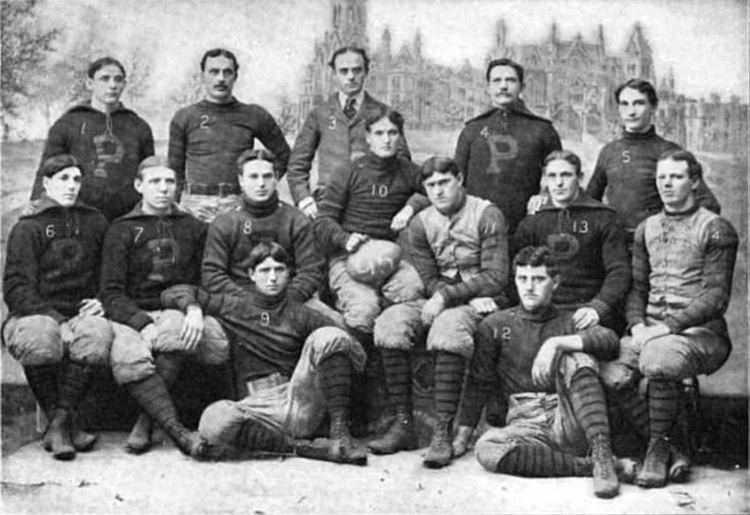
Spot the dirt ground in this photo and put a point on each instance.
(107, 480)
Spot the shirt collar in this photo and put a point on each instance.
(357, 99)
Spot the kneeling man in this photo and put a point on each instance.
(294, 364)
(548, 371)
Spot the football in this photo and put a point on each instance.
(374, 262)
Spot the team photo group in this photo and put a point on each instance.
(543, 304)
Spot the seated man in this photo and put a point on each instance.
(683, 261)
(373, 198)
(146, 251)
(459, 247)
(294, 364)
(262, 217)
(588, 241)
(548, 371)
(56, 329)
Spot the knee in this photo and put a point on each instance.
(34, 340)
(220, 423)
(361, 314)
(393, 328)
(450, 333)
(327, 341)
(131, 357)
(214, 345)
(92, 340)
(169, 326)
(404, 286)
(662, 361)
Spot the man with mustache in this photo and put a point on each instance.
(206, 138)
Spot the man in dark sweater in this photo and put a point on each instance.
(548, 372)
(588, 241)
(500, 152)
(56, 328)
(107, 139)
(625, 167)
(293, 365)
(459, 247)
(374, 198)
(148, 250)
(206, 138)
(683, 262)
(335, 129)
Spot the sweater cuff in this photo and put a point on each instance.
(674, 325)
(305, 202)
(341, 239)
(140, 320)
(602, 308)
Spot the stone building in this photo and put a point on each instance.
(572, 82)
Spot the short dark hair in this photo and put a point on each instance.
(254, 154)
(537, 256)
(153, 162)
(101, 63)
(376, 114)
(641, 85)
(563, 155)
(219, 52)
(265, 249)
(695, 170)
(58, 163)
(438, 164)
(350, 48)
(505, 62)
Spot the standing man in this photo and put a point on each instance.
(107, 139)
(459, 247)
(56, 328)
(206, 138)
(549, 374)
(588, 241)
(501, 151)
(625, 167)
(683, 262)
(148, 250)
(334, 129)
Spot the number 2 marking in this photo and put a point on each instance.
(204, 121)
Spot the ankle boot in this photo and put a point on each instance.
(606, 484)
(57, 437)
(139, 439)
(440, 452)
(345, 448)
(655, 465)
(399, 437)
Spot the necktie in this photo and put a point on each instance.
(349, 109)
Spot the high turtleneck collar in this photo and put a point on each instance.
(264, 301)
(263, 208)
(649, 134)
(687, 212)
(379, 163)
(538, 316)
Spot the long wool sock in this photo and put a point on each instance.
(449, 373)
(336, 380)
(152, 396)
(541, 461)
(43, 382)
(397, 376)
(168, 366)
(76, 378)
(636, 408)
(664, 404)
(589, 403)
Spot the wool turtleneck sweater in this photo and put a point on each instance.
(626, 169)
(364, 198)
(506, 345)
(234, 234)
(268, 332)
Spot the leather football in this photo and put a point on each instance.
(374, 262)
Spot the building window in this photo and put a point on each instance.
(396, 82)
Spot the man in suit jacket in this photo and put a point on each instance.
(335, 129)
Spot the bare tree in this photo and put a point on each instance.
(287, 118)
(25, 45)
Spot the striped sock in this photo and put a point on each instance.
(541, 461)
(152, 396)
(449, 373)
(43, 382)
(74, 384)
(589, 404)
(636, 409)
(397, 376)
(664, 403)
(336, 380)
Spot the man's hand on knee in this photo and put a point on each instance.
(432, 309)
(192, 328)
(483, 305)
(150, 333)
